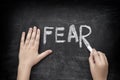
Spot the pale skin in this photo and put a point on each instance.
(29, 56)
(98, 65)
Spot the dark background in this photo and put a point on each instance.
(68, 61)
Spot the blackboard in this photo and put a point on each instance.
(69, 60)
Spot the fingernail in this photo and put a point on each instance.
(30, 28)
(34, 27)
(50, 51)
(23, 32)
(93, 50)
(38, 29)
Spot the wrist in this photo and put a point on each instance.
(99, 79)
(23, 72)
(24, 67)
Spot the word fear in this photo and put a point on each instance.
(72, 34)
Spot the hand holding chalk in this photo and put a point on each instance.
(98, 65)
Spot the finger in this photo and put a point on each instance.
(28, 36)
(106, 61)
(22, 39)
(102, 60)
(37, 39)
(33, 35)
(96, 56)
(91, 60)
(44, 54)
(92, 53)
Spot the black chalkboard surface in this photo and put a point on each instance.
(67, 23)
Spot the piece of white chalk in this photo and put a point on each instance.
(87, 45)
(89, 48)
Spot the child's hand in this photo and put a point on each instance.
(28, 54)
(98, 65)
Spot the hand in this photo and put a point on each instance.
(28, 54)
(98, 65)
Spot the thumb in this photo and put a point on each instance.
(44, 54)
